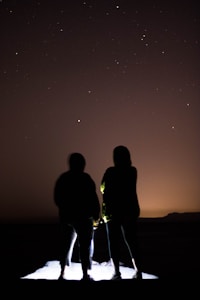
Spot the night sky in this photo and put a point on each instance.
(86, 76)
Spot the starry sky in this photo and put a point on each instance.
(86, 76)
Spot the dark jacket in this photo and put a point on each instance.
(75, 196)
(120, 196)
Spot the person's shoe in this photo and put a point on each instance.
(137, 275)
(87, 278)
(116, 276)
(107, 263)
(61, 277)
(95, 262)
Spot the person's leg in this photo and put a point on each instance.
(85, 235)
(70, 251)
(91, 250)
(67, 235)
(114, 234)
(129, 232)
(92, 246)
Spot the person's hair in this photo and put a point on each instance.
(121, 156)
(76, 162)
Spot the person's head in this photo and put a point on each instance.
(76, 162)
(121, 156)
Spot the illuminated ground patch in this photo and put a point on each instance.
(100, 271)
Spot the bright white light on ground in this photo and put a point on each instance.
(100, 271)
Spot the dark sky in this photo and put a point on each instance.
(86, 76)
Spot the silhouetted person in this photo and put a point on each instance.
(121, 207)
(78, 205)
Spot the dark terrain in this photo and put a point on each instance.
(170, 249)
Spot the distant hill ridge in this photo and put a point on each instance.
(187, 216)
(176, 217)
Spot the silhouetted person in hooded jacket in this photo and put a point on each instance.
(121, 207)
(78, 205)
